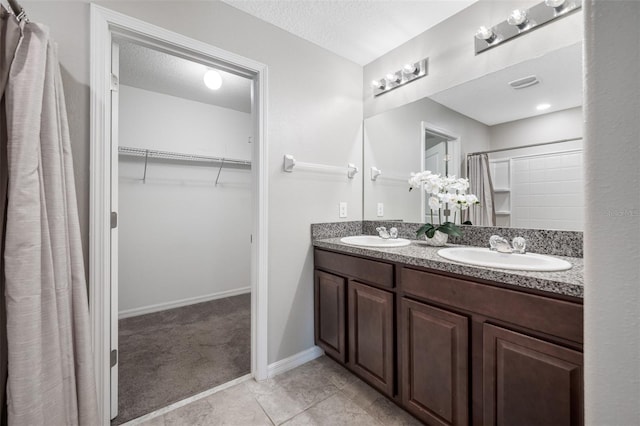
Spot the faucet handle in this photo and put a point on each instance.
(519, 245)
(494, 240)
(382, 232)
(393, 232)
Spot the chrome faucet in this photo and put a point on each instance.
(383, 233)
(501, 245)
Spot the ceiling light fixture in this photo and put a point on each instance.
(406, 74)
(212, 79)
(542, 107)
(522, 21)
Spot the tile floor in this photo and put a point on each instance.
(320, 392)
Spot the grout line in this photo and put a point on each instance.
(311, 406)
(187, 401)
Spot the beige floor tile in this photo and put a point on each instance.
(156, 421)
(389, 414)
(232, 407)
(290, 393)
(361, 393)
(334, 411)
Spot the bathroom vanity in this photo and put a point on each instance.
(453, 344)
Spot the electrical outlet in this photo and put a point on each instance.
(343, 209)
(380, 209)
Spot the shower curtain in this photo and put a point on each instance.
(50, 373)
(480, 184)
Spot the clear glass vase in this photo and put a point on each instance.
(439, 239)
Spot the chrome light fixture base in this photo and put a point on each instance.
(532, 18)
(409, 72)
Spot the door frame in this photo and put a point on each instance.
(104, 24)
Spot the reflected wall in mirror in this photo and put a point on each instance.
(534, 150)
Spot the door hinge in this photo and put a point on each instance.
(114, 357)
(114, 83)
(114, 220)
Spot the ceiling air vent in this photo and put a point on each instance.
(523, 82)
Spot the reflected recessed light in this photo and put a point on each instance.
(212, 79)
(542, 107)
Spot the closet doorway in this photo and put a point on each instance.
(178, 300)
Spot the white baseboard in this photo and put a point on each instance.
(294, 361)
(182, 302)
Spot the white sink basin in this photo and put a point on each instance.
(375, 241)
(523, 262)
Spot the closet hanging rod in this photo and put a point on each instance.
(18, 10)
(168, 155)
(524, 146)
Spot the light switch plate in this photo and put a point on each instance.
(343, 209)
(380, 209)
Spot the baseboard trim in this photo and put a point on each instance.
(294, 361)
(180, 303)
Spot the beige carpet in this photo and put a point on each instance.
(171, 355)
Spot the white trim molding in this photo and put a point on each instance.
(149, 309)
(106, 24)
(294, 361)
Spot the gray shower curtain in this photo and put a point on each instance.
(50, 373)
(480, 184)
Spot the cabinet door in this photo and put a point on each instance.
(330, 314)
(371, 335)
(435, 363)
(527, 381)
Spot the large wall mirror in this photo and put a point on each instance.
(520, 127)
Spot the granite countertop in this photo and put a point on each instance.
(568, 283)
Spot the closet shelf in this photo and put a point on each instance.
(167, 155)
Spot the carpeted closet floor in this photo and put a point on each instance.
(171, 355)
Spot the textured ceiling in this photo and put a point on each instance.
(156, 71)
(359, 30)
(491, 100)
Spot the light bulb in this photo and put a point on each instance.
(518, 17)
(485, 34)
(378, 84)
(213, 79)
(409, 69)
(554, 3)
(393, 78)
(542, 107)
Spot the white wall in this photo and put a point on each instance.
(612, 232)
(393, 144)
(565, 124)
(450, 48)
(313, 120)
(181, 239)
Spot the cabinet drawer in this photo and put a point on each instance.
(555, 317)
(365, 270)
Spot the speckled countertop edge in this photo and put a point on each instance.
(568, 283)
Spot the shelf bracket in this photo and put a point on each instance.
(146, 160)
(219, 170)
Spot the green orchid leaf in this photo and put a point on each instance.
(451, 229)
(424, 229)
(431, 232)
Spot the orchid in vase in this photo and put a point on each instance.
(447, 196)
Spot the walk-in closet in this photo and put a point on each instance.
(184, 220)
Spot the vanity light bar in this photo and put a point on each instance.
(522, 21)
(409, 72)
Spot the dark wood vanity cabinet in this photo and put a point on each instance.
(366, 286)
(435, 363)
(529, 381)
(452, 351)
(330, 311)
(371, 335)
